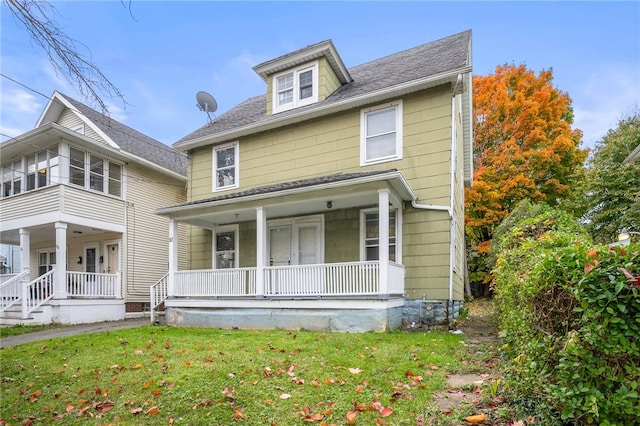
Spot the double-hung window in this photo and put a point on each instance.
(93, 172)
(370, 239)
(295, 88)
(381, 133)
(225, 164)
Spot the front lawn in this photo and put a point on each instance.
(187, 376)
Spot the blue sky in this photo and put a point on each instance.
(168, 51)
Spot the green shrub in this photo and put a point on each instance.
(570, 318)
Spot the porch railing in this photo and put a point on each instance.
(93, 285)
(216, 282)
(11, 290)
(37, 293)
(332, 279)
(28, 296)
(158, 293)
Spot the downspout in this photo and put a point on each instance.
(449, 208)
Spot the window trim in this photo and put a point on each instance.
(236, 165)
(363, 232)
(235, 228)
(296, 101)
(397, 105)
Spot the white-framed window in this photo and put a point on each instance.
(94, 172)
(226, 166)
(381, 133)
(295, 88)
(225, 247)
(33, 171)
(370, 235)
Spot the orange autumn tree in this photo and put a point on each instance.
(524, 148)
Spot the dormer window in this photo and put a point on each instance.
(295, 88)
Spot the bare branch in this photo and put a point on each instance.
(62, 51)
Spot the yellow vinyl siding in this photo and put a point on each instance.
(331, 144)
(327, 80)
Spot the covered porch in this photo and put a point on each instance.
(69, 273)
(316, 253)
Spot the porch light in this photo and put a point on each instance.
(329, 204)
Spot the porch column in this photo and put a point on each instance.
(383, 239)
(173, 257)
(25, 250)
(60, 274)
(261, 249)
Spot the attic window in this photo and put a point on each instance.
(295, 87)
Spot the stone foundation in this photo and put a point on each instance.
(427, 313)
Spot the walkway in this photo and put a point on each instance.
(71, 330)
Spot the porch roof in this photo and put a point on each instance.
(298, 197)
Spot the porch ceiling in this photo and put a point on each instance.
(47, 232)
(301, 201)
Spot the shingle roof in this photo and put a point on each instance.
(132, 141)
(303, 183)
(441, 56)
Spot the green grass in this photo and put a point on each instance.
(190, 376)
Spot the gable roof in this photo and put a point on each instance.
(424, 66)
(117, 135)
(633, 156)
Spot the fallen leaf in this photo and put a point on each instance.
(355, 370)
(285, 396)
(351, 417)
(386, 412)
(152, 411)
(478, 418)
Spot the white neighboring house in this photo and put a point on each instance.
(77, 195)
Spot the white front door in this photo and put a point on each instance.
(112, 259)
(296, 242)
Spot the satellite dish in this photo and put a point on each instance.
(206, 103)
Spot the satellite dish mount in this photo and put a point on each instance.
(206, 103)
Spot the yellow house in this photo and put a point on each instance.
(334, 201)
(77, 197)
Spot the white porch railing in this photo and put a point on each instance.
(216, 282)
(11, 290)
(396, 278)
(37, 293)
(333, 279)
(89, 284)
(6, 277)
(29, 296)
(157, 293)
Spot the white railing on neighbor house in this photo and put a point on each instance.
(6, 277)
(37, 293)
(158, 293)
(333, 279)
(216, 282)
(11, 290)
(28, 296)
(92, 285)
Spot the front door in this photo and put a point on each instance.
(296, 242)
(113, 259)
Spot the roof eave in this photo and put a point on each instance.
(379, 95)
(402, 187)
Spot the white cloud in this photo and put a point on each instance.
(19, 111)
(606, 95)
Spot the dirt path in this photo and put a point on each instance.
(481, 336)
